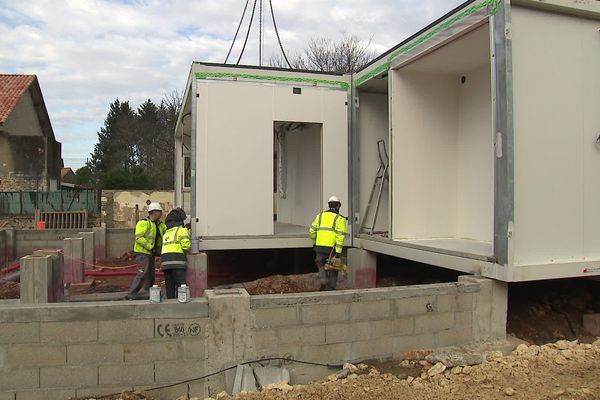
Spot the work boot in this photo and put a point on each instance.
(130, 297)
(323, 287)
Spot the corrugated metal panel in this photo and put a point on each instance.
(26, 203)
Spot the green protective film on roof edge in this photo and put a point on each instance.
(205, 75)
(493, 8)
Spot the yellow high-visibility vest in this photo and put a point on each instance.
(175, 241)
(329, 230)
(145, 236)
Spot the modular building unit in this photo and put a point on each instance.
(492, 118)
(261, 150)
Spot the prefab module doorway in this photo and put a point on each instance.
(297, 175)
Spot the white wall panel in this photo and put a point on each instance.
(555, 74)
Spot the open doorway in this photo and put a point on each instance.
(297, 175)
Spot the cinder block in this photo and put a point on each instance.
(434, 322)
(193, 348)
(46, 394)
(20, 379)
(94, 354)
(266, 342)
(453, 337)
(463, 319)
(68, 332)
(126, 374)
(455, 302)
(393, 327)
(414, 342)
(348, 332)
(125, 330)
(327, 353)
(374, 348)
(25, 332)
(27, 355)
(7, 396)
(302, 335)
(62, 377)
(415, 306)
(174, 371)
(272, 317)
(370, 310)
(324, 313)
(136, 353)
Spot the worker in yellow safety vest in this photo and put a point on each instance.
(328, 232)
(176, 242)
(147, 245)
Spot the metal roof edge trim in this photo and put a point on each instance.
(207, 75)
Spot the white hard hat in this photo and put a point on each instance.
(154, 207)
(334, 199)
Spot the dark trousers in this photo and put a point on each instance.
(328, 279)
(173, 279)
(145, 276)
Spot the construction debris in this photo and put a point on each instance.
(529, 372)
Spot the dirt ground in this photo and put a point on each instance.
(564, 370)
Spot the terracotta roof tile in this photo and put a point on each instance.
(12, 88)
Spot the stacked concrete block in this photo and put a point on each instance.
(57, 276)
(74, 267)
(197, 274)
(99, 242)
(350, 325)
(96, 349)
(92, 349)
(362, 268)
(41, 279)
(89, 249)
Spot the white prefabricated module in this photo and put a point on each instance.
(492, 116)
(261, 150)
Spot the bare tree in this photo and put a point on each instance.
(348, 54)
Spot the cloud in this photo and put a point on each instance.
(86, 53)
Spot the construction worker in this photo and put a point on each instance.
(147, 245)
(328, 232)
(175, 242)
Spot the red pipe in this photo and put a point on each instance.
(124, 273)
(10, 269)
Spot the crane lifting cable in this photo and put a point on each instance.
(261, 32)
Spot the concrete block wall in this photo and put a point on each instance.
(29, 240)
(354, 325)
(54, 351)
(119, 241)
(58, 351)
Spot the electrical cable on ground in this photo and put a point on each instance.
(277, 33)
(225, 370)
(235, 36)
(247, 33)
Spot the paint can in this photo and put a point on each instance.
(155, 294)
(183, 293)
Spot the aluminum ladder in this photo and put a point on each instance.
(381, 178)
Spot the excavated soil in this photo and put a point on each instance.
(564, 370)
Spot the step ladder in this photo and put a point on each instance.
(381, 179)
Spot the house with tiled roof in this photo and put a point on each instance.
(30, 156)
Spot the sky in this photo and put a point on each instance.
(88, 53)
